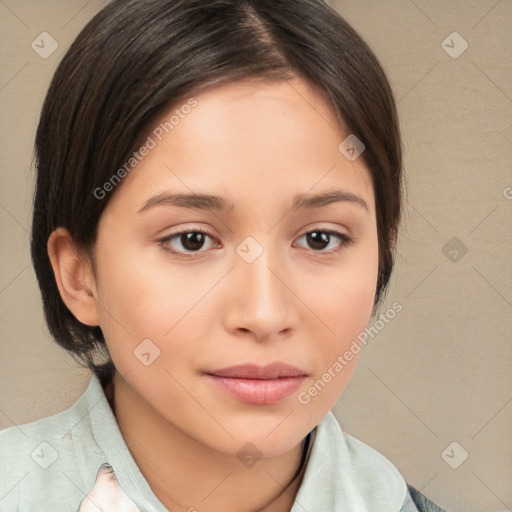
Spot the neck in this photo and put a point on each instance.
(186, 474)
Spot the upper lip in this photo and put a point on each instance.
(251, 371)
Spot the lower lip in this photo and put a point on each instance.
(258, 391)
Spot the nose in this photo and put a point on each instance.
(261, 301)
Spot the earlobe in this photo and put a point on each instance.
(74, 277)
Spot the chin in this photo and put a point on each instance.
(267, 436)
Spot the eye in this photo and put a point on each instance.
(320, 239)
(185, 242)
(192, 241)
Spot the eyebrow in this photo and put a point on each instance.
(217, 203)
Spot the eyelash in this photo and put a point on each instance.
(345, 241)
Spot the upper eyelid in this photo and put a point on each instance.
(333, 231)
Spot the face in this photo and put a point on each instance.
(229, 316)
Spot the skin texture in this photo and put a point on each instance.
(257, 144)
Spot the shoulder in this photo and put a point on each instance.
(37, 455)
(353, 465)
(15, 440)
(20, 443)
(422, 503)
(374, 475)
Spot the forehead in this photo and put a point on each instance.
(248, 138)
(257, 107)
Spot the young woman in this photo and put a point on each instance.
(217, 202)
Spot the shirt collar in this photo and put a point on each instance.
(342, 473)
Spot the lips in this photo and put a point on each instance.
(250, 371)
(258, 385)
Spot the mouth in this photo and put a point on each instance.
(258, 385)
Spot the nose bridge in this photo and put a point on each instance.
(259, 266)
(262, 304)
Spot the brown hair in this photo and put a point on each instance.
(135, 58)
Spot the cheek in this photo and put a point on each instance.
(144, 297)
(136, 301)
(344, 304)
(346, 300)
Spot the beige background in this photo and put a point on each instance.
(440, 371)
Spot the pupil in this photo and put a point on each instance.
(318, 240)
(192, 241)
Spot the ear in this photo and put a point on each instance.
(74, 276)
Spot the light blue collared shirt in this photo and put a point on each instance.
(68, 461)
